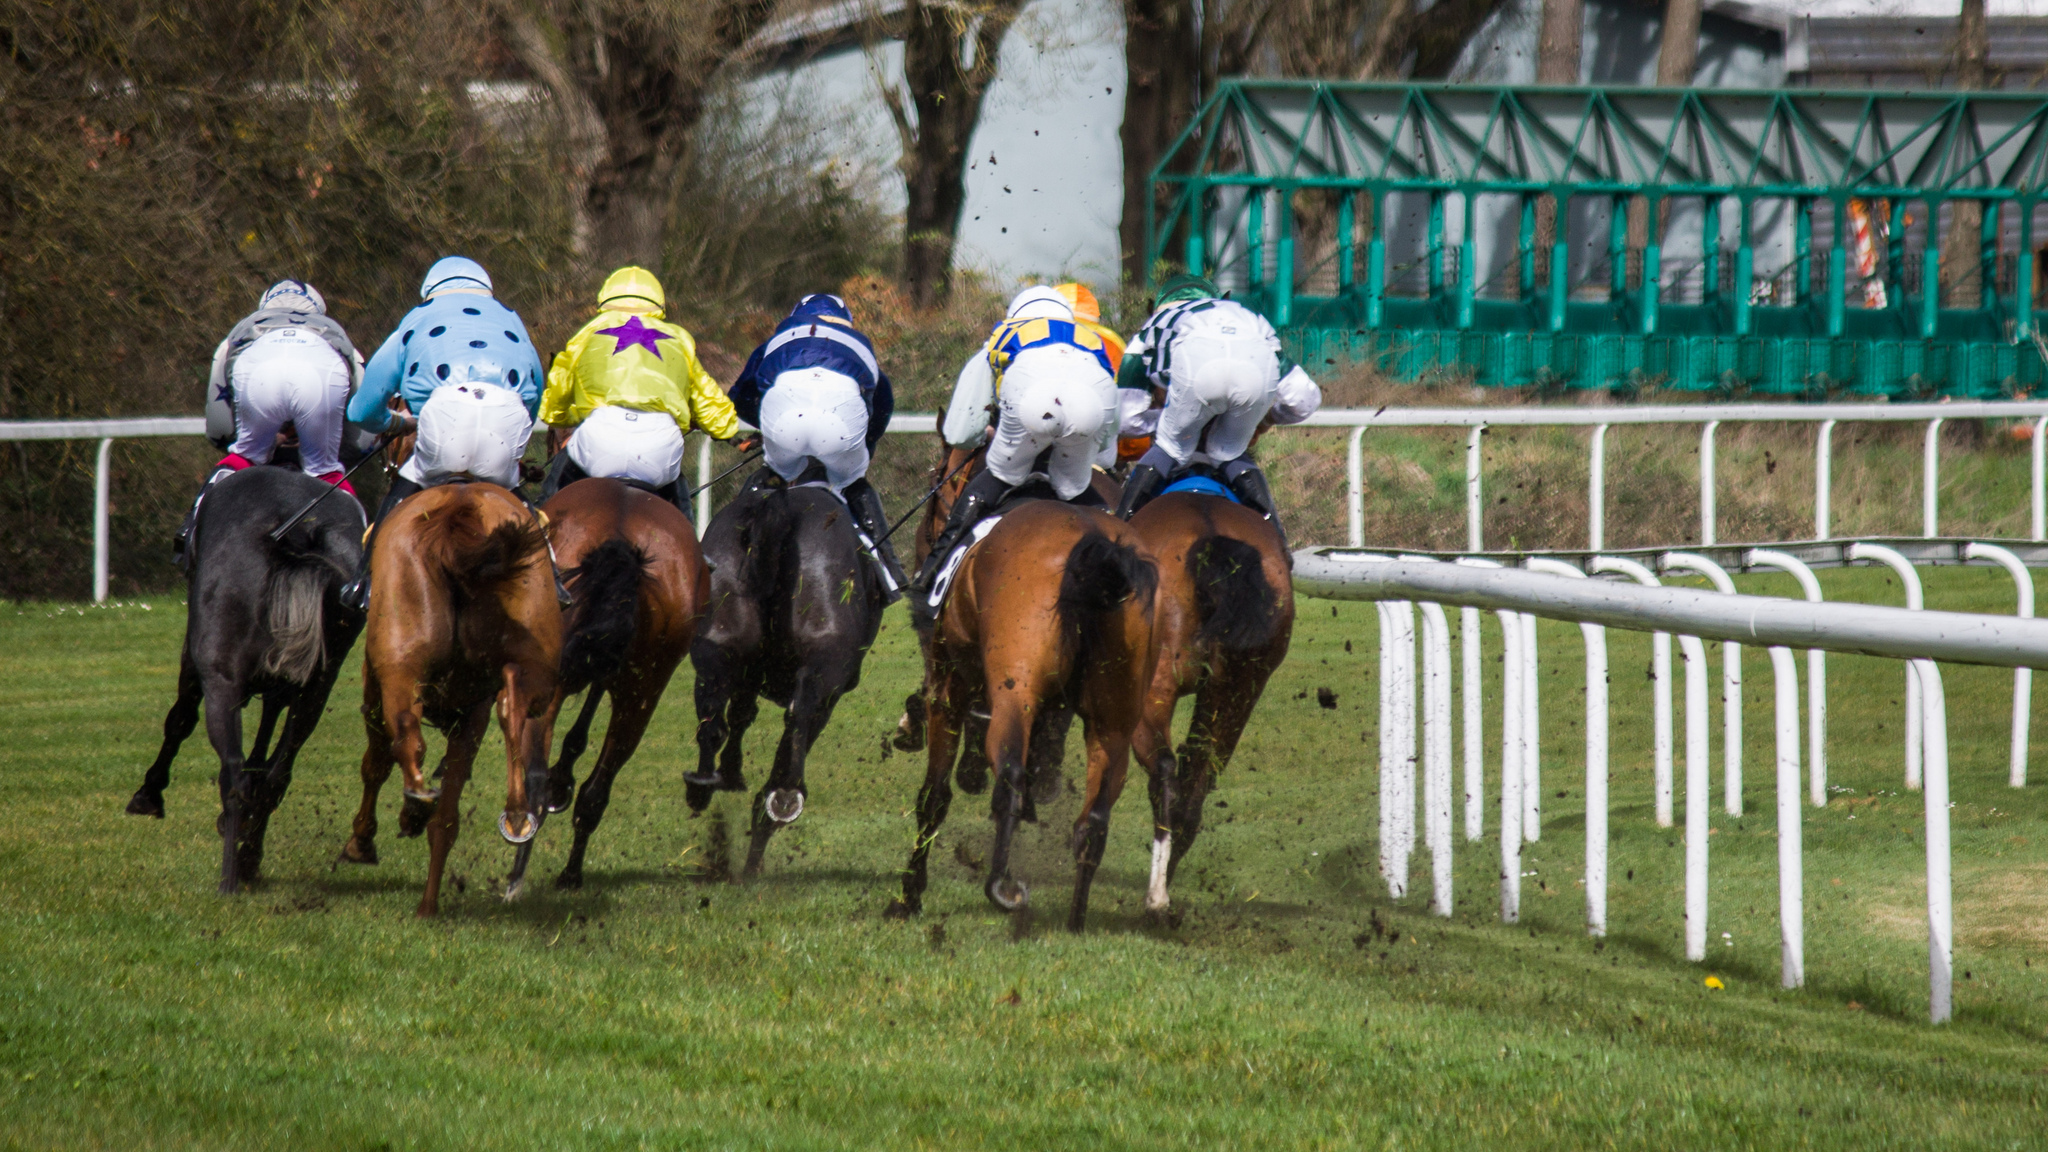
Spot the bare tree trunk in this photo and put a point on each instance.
(1161, 63)
(1557, 44)
(949, 60)
(1961, 255)
(1680, 52)
(629, 93)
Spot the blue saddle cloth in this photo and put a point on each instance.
(1202, 485)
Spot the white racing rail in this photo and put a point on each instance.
(1558, 590)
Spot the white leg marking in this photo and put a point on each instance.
(1162, 851)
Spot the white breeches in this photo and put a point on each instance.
(1221, 384)
(815, 414)
(477, 430)
(291, 375)
(616, 443)
(1054, 397)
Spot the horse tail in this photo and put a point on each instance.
(1101, 574)
(295, 603)
(1236, 607)
(479, 559)
(608, 594)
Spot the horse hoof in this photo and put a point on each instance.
(697, 796)
(714, 780)
(145, 804)
(413, 816)
(1008, 894)
(1046, 785)
(909, 735)
(784, 805)
(427, 796)
(568, 880)
(358, 852)
(971, 774)
(899, 910)
(513, 889)
(524, 831)
(559, 799)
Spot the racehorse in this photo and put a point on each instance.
(638, 583)
(462, 616)
(955, 468)
(795, 605)
(1225, 617)
(1052, 608)
(263, 618)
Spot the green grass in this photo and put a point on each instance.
(1295, 1005)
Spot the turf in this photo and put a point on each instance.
(1293, 1005)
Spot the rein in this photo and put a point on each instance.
(926, 498)
(375, 449)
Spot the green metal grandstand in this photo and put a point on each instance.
(1774, 241)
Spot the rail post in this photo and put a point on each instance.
(1660, 672)
(1596, 755)
(1697, 797)
(2039, 504)
(1903, 569)
(703, 485)
(1930, 480)
(1823, 478)
(1791, 881)
(1436, 752)
(1354, 474)
(1475, 507)
(101, 481)
(1940, 893)
(1731, 676)
(1707, 516)
(1475, 722)
(1397, 742)
(1532, 745)
(1596, 494)
(2022, 678)
(1816, 671)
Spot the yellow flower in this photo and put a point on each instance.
(1714, 982)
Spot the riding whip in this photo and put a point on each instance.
(375, 448)
(744, 461)
(924, 499)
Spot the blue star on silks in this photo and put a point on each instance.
(633, 332)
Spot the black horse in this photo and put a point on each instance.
(795, 605)
(263, 618)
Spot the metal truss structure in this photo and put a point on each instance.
(1777, 241)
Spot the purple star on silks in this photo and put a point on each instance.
(634, 332)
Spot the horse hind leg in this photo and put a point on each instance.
(632, 707)
(1009, 745)
(562, 779)
(224, 730)
(942, 733)
(447, 821)
(781, 800)
(1223, 707)
(378, 759)
(178, 724)
(1108, 760)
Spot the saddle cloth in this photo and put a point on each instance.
(867, 543)
(952, 565)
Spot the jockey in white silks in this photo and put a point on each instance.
(1222, 372)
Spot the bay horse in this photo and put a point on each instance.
(462, 617)
(1052, 608)
(1224, 621)
(637, 583)
(263, 618)
(956, 466)
(795, 605)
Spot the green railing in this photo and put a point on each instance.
(1331, 208)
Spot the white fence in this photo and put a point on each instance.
(1561, 590)
(1708, 416)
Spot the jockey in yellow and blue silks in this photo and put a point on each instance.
(1050, 386)
(817, 393)
(468, 371)
(630, 386)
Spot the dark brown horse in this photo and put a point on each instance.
(1053, 607)
(462, 617)
(1225, 617)
(637, 582)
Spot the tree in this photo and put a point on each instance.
(950, 55)
(1557, 42)
(1961, 252)
(629, 80)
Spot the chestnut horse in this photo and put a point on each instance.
(1053, 607)
(462, 617)
(637, 583)
(1225, 617)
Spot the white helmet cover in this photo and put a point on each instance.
(1040, 303)
(293, 296)
(453, 274)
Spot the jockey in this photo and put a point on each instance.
(1088, 314)
(1050, 386)
(629, 386)
(1222, 370)
(285, 363)
(466, 368)
(816, 392)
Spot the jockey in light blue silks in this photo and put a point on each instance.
(816, 392)
(469, 373)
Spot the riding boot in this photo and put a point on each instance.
(981, 495)
(1143, 483)
(558, 476)
(355, 595)
(676, 494)
(866, 505)
(182, 544)
(1250, 485)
